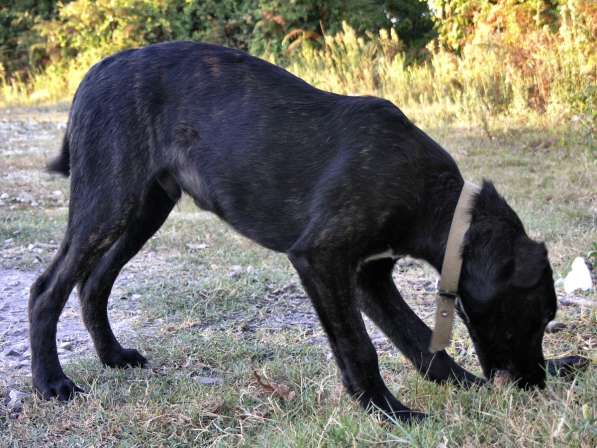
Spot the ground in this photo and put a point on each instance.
(237, 357)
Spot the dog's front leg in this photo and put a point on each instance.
(382, 302)
(330, 285)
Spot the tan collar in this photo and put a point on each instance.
(450, 275)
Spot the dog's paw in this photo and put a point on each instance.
(124, 358)
(392, 411)
(61, 388)
(408, 417)
(566, 366)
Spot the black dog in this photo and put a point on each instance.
(329, 180)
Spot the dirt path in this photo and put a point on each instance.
(72, 338)
(28, 138)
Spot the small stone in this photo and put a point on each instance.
(67, 346)
(555, 327)
(26, 197)
(136, 296)
(18, 332)
(4, 196)
(21, 347)
(11, 352)
(193, 246)
(209, 380)
(14, 400)
(235, 272)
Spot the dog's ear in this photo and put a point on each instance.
(530, 261)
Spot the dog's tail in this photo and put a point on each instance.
(61, 164)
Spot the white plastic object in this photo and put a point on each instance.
(579, 277)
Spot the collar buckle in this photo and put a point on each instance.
(447, 294)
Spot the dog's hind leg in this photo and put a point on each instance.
(82, 245)
(95, 289)
(381, 301)
(48, 296)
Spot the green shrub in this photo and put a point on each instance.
(21, 47)
(509, 64)
(517, 57)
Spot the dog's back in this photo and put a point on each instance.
(243, 137)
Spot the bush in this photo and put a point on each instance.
(63, 31)
(491, 58)
(510, 63)
(21, 47)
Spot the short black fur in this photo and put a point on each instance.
(327, 179)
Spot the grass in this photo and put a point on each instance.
(227, 309)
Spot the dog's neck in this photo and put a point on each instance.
(435, 219)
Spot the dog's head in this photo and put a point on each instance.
(507, 292)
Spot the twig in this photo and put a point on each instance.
(577, 301)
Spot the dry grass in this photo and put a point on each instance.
(225, 323)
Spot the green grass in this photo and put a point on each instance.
(217, 320)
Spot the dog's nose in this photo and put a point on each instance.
(502, 378)
(531, 381)
(525, 384)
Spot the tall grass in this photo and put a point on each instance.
(54, 84)
(509, 67)
(520, 74)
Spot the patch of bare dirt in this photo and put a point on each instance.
(72, 338)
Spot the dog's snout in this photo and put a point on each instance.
(501, 378)
(524, 380)
(530, 383)
(531, 380)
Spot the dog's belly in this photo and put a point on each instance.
(271, 217)
(273, 224)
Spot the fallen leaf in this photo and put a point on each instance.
(279, 390)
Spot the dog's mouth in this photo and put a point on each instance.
(504, 377)
(500, 370)
(501, 378)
